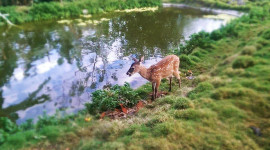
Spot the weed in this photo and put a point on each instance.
(109, 99)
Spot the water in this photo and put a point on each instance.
(47, 66)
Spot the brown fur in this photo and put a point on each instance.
(166, 68)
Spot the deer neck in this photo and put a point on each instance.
(144, 73)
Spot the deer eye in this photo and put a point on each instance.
(131, 69)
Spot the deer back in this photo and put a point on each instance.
(164, 68)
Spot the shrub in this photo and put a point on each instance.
(109, 99)
(51, 132)
(200, 39)
(46, 120)
(266, 35)
(243, 62)
(186, 62)
(7, 125)
(16, 140)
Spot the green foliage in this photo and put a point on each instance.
(51, 132)
(200, 39)
(27, 125)
(7, 125)
(46, 120)
(243, 62)
(109, 99)
(186, 62)
(56, 10)
(16, 140)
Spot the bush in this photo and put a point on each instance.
(51, 132)
(266, 35)
(200, 39)
(186, 62)
(46, 120)
(109, 99)
(243, 62)
(7, 125)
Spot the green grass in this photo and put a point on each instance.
(56, 10)
(230, 93)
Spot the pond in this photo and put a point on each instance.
(56, 65)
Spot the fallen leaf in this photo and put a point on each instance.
(102, 115)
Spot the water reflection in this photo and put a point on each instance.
(47, 66)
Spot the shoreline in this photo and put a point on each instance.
(224, 103)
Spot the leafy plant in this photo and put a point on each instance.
(7, 125)
(200, 39)
(109, 99)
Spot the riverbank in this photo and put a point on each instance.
(224, 107)
(55, 10)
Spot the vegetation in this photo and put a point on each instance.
(225, 107)
(56, 10)
(111, 98)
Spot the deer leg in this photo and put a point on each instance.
(153, 90)
(170, 80)
(156, 88)
(176, 74)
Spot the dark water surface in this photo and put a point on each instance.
(48, 66)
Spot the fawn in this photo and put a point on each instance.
(166, 68)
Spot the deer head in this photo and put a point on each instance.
(135, 67)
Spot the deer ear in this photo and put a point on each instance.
(141, 59)
(136, 60)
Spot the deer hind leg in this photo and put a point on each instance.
(156, 88)
(176, 74)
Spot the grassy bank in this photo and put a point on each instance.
(244, 5)
(56, 10)
(225, 107)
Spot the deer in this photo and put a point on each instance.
(166, 68)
